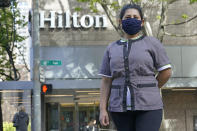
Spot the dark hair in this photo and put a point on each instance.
(130, 6)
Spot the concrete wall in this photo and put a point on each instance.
(175, 12)
(59, 37)
(77, 37)
(179, 109)
(74, 36)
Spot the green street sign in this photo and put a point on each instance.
(50, 62)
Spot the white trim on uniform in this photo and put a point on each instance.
(128, 99)
(105, 75)
(164, 67)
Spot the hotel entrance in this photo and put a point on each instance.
(73, 110)
(64, 117)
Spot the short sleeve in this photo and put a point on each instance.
(160, 58)
(105, 66)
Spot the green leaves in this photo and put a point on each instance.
(10, 20)
(114, 5)
(93, 5)
(192, 1)
(136, 1)
(78, 9)
(184, 16)
(83, 0)
(158, 17)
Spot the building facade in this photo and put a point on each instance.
(72, 46)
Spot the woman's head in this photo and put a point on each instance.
(131, 10)
(131, 19)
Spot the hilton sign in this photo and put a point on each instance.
(66, 20)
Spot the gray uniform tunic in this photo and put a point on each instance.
(132, 66)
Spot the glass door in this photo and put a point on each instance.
(84, 118)
(88, 117)
(52, 117)
(66, 118)
(73, 110)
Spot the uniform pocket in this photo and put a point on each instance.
(148, 94)
(115, 97)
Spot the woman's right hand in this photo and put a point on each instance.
(104, 118)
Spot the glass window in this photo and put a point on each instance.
(53, 115)
(16, 106)
(195, 123)
(78, 110)
(88, 116)
(66, 117)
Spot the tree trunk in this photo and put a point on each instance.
(12, 64)
(163, 19)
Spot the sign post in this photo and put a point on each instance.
(36, 63)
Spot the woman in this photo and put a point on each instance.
(128, 77)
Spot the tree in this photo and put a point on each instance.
(192, 1)
(10, 21)
(111, 8)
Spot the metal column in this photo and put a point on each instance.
(36, 63)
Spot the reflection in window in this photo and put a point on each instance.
(88, 116)
(77, 110)
(13, 101)
(53, 122)
(66, 118)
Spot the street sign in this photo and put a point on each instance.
(50, 62)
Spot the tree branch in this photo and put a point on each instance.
(26, 67)
(19, 76)
(4, 12)
(7, 76)
(182, 22)
(161, 28)
(14, 29)
(108, 15)
(180, 35)
(171, 1)
(131, 2)
(10, 55)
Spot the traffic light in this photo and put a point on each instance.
(46, 88)
(4, 3)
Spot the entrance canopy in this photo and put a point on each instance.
(16, 85)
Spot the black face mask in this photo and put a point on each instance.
(131, 26)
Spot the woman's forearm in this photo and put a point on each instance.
(104, 92)
(163, 77)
